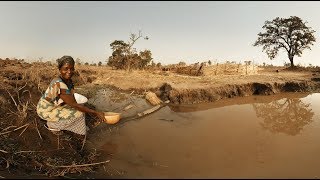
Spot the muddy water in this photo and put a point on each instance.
(250, 137)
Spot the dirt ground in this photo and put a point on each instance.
(29, 150)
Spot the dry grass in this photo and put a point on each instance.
(25, 145)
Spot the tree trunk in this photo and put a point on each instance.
(291, 61)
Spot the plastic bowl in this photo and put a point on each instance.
(111, 117)
(81, 99)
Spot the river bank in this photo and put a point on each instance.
(25, 139)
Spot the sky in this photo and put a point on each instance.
(188, 31)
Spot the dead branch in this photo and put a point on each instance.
(15, 129)
(13, 112)
(24, 130)
(3, 151)
(84, 140)
(5, 132)
(141, 114)
(37, 128)
(27, 152)
(12, 98)
(21, 127)
(28, 92)
(166, 119)
(23, 86)
(148, 111)
(79, 165)
(8, 128)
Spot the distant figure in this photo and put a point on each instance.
(277, 70)
(58, 106)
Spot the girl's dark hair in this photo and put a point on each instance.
(65, 59)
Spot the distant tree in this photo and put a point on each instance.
(153, 64)
(181, 63)
(78, 61)
(209, 62)
(247, 63)
(100, 63)
(119, 54)
(125, 56)
(290, 34)
(145, 58)
(86, 63)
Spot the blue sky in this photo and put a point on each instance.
(178, 31)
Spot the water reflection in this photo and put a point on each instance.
(234, 101)
(284, 112)
(224, 139)
(288, 115)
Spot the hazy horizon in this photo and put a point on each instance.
(178, 31)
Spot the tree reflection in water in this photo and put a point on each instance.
(287, 115)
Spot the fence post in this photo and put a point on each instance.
(215, 73)
(252, 66)
(238, 67)
(246, 68)
(225, 68)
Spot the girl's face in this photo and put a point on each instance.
(67, 71)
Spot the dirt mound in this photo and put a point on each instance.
(193, 96)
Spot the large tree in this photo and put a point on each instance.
(290, 34)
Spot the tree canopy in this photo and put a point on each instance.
(290, 34)
(124, 56)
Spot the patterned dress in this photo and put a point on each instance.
(60, 116)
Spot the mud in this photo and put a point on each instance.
(26, 152)
(194, 96)
(234, 101)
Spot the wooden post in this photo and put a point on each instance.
(252, 66)
(215, 73)
(238, 67)
(246, 68)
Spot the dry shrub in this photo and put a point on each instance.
(40, 76)
(25, 144)
(21, 98)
